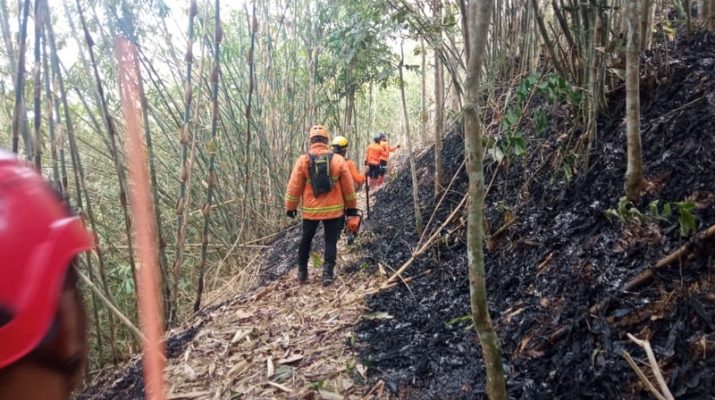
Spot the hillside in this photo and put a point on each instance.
(558, 256)
(557, 266)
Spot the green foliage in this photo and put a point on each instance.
(316, 259)
(568, 165)
(513, 142)
(627, 213)
(558, 90)
(686, 218)
(464, 318)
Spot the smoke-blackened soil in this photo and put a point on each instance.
(557, 254)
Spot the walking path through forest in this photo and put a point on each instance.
(278, 340)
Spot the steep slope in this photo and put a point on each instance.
(553, 255)
(557, 256)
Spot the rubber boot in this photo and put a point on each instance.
(328, 274)
(303, 273)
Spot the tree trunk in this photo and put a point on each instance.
(424, 118)
(480, 13)
(37, 89)
(464, 13)
(547, 42)
(707, 13)
(413, 171)
(6, 35)
(646, 18)
(438, 105)
(634, 169)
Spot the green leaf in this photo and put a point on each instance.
(667, 210)
(612, 213)
(519, 146)
(623, 205)
(457, 320)
(511, 117)
(687, 218)
(540, 121)
(653, 207)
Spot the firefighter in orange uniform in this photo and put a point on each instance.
(340, 146)
(43, 336)
(322, 182)
(375, 152)
(385, 156)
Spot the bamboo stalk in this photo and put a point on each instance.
(186, 167)
(111, 131)
(37, 83)
(18, 114)
(218, 36)
(79, 175)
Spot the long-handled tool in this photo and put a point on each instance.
(367, 196)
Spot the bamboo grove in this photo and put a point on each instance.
(228, 91)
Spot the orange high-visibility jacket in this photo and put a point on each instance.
(358, 178)
(387, 150)
(374, 154)
(326, 206)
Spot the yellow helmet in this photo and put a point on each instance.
(340, 141)
(319, 130)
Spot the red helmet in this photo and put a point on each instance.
(38, 240)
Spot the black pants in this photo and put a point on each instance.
(374, 171)
(332, 228)
(383, 167)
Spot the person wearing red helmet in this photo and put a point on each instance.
(43, 335)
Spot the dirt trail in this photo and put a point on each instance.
(278, 339)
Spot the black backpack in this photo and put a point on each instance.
(319, 170)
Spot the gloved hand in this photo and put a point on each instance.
(291, 213)
(398, 146)
(351, 212)
(365, 162)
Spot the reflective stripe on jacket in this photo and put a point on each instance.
(329, 205)
(374, 154)
(387, 149)
(358, 178)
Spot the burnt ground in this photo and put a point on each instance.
(561, 256)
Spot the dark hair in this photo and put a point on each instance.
(5, 316)
(319, 139)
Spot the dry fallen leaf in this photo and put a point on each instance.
(281, 387)
(325, 395)
(290, 359)
(270, 369)
(362, 370)
(240, 334)
(189, 373)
